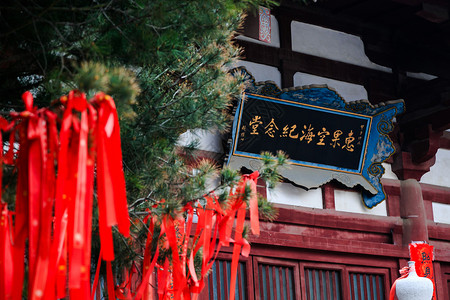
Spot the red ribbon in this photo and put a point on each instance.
(6, 253)
(34, 198)
(55, 213)
(237, 249)
(110, 179)
(46, 189)
(254, 215)
(97, 275)
(149, 263)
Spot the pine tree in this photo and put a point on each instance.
(164, 62)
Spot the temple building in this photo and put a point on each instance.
(326, 242)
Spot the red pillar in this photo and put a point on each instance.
(412, 210)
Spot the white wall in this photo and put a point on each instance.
(286, 193)
(331, 44)
(439, 172)
(352, 202)
(441, 212)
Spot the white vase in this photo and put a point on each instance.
(414, 287)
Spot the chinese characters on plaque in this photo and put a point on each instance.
(311, 136)
(324, 137)
(307, 133)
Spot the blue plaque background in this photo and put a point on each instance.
(376, 149)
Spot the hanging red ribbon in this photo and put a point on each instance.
(97, 275)
(110, 179)
(54, 211)
(178, 278)
(254, 215)
(34, 198)
(6, 267)
(47, 142)
(6, 253)
(237, 249)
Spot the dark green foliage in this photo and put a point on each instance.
(163, 61)
(270, 166)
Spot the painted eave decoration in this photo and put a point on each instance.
(325, 137)
(265, 26)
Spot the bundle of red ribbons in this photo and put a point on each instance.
(177, 277)
(55, 165)
(55, 162)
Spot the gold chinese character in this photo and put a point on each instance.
(243, 128)
(308, 135)
(285, 131)
(291, 135)
(336, 138)
(362, 129)
(271, 128)
(322, 135)
(291, 131)
(255, 122)
(348, 142)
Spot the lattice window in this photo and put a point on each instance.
(365, 286)
(218, 282)
(265, 278)
(276, 279)
(322, 284)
